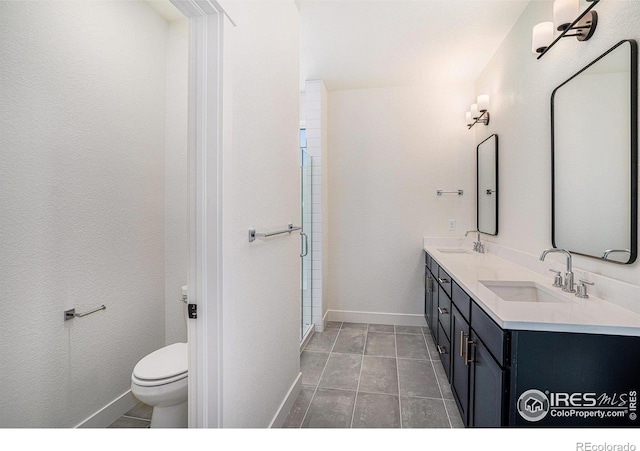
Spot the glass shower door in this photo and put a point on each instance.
(305, 238)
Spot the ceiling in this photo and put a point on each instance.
(165, 9)
(376, 43)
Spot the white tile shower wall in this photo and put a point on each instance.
(315, 95)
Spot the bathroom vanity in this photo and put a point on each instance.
(519, 352)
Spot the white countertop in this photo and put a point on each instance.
(591, 315)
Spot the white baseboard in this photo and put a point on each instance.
(287, 403)
(394, 319)
(111, 412)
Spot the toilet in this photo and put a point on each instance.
(160, 380)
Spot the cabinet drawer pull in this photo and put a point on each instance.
(443, 280)
(462, 335)
(441, 350)
(467, 360)
(443, 311)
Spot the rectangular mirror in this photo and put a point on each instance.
(487, 185)
(594, 155)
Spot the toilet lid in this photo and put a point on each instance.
(164, 363)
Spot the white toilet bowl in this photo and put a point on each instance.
(160, 380)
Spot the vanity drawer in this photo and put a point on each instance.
(461, 300)
(444, 350)
(493, 337)
(444, 311)
(433, 266)
(445, 281)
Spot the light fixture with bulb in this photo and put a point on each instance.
(564, 20)
(479, 112)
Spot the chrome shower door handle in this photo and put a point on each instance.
(306, 244)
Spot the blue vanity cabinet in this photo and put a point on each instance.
(487, 387)
(428, 291)
(531, 378)
(460, 362)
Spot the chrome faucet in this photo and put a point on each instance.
(478, 246)
(568, 285)
(610, 251)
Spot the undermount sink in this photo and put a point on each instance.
(457, 250)
(523, 291)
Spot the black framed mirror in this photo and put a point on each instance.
(594, 154)
(487, 185)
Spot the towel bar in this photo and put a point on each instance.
(253, 234)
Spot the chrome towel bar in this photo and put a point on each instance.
(70, 314)
(459, 192)
(253, 234)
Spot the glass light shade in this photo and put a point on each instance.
(474, 111)
(542, 37)
(467, 117)
(564, 13)
(483, 103)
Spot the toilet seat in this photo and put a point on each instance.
(164, 366)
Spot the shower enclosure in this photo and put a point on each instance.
(305, 237)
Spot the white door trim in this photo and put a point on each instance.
(206, 27)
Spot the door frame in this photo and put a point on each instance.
(207, 20)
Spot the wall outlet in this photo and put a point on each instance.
(451, 223)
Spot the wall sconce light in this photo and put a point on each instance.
(479, 112)
(564, 13)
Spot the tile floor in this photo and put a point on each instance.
(138, 417)
(362, 376)
(373, 376)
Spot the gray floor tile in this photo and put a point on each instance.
(442, 380)
(330, 409)
(411, 347)
(142, 411)
(380, 344)
(431, 347)
(358, 326)
(299, 409)
(409, 330)
(386, 328)
(454, 413)
(342, 372)
(374, 410)
(126, 422)
(333, 325)
(379, 375)
(417, 378)
(311, 365)
(424, 413)
(322, 341)
(350, 341)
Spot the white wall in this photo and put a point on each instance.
(261, 190)
(82, 184)
(390, 149)
(176, 177)
(520, 87)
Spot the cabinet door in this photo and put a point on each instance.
(444, 311)
(460, 362)
(487, 388)
(444, 350)
(428, 284)
(433, 325)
